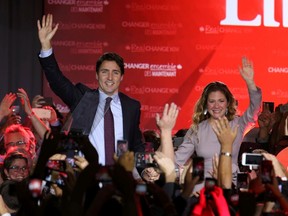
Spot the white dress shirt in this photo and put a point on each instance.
(96, 135)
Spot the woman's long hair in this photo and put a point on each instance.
(201, 104)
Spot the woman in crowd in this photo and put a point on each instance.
(16, 166)
(215, 102)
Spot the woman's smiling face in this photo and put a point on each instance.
(18, 170)
(217, 104)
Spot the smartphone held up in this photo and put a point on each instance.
(55, 172)
(15, 110)
(266, 171)
(198, 168)
(253, 160)
(145, 160)
(209, 185)
(42, 113)
(122, 147)
(242, 181)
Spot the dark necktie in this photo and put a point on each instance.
(109, 133)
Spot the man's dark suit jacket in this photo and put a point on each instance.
(83, 103)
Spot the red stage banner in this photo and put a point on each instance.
(173, 49)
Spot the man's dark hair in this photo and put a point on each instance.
(110, 56)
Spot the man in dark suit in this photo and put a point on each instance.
(87, 105)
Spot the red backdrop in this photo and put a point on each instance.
(172, 49)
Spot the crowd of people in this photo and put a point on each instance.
(51, 165)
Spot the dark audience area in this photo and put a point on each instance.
(55, 179)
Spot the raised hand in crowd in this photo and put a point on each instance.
(247, 73)
(81, 162)
(216, 205)
(37, 101)
(126, 160)
(5, 105)
(226, 136)
(279, 169)
(7, 113)
(215, 165)
(168, 119)
(166, 165)
(166, 123)
(46, 31)
(150, 174)
(58, 157)
(39, 125)
(224, 133)
(22, 94)
(189, 182)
